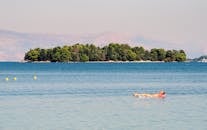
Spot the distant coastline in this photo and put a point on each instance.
(187, 61)
(201, 59)
(95, 62)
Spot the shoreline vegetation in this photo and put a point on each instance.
(112, 52)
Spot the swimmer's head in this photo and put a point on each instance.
(162, 92)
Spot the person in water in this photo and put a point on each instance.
(161, 94)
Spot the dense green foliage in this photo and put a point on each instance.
(115, 52)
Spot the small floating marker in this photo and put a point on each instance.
(7, 79)
(35, 77)
(15, 78)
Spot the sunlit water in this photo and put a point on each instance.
(98, 96)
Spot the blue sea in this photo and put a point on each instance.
(98, 96)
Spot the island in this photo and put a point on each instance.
(111, 52)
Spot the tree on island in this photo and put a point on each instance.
(113, 51)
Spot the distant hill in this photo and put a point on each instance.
(13, 45)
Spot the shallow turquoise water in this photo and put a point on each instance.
(98, 96)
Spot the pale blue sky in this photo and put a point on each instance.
(80, 16)
(181, 22)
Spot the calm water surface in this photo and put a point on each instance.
(98, 96)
